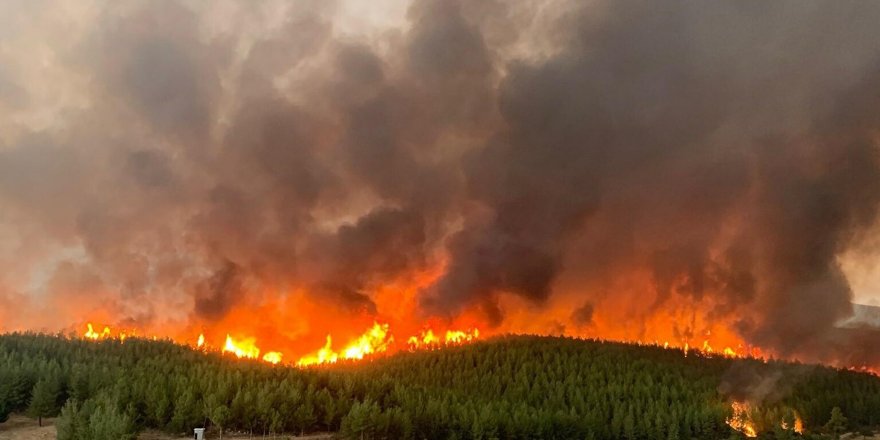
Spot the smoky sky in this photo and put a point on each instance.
(185, 157)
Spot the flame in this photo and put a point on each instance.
(324, 355)
(244, 348)
(272, 357)
(377, 339)
(459, 337)
(706, 347)
(425, 339)
(741, 419)
(374, 340)
(798, 424)
(282, 323)
(93, 335)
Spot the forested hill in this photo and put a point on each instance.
(512, 387)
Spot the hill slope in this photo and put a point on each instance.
(510, 387)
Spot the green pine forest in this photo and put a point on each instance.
(513, 387)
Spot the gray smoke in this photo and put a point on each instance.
(168, 158)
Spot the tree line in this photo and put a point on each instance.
(515, 387)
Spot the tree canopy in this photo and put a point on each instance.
(506, 387)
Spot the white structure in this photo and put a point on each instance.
(199, 434)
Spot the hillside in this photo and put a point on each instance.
(509, 387)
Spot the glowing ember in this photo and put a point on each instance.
(244, 348)
(741, 419)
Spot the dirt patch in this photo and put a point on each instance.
(19, 427)
(156, 435)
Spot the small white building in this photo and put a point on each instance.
(199, 434)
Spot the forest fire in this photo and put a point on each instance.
(476, 182)
(92, 334)
(324, 355)
(797, 425)
(244, 348)
(745, 419)
(272, 357)
(741, 419)
(427, 339)
(377, 339)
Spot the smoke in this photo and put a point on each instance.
(750, 383)
(596, 162)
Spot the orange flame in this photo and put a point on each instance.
(324, 355)
(374, 340)
(244, 348)
(427, 338)
(272, 357)
(741, 419)
(798, 424)
(93, 335)
(460, 337)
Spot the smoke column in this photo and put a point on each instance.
(600, 168)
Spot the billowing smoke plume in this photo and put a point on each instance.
(591, 162)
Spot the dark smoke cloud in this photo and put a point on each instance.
(663, 125)
(218, 293)
(583, 315)
(201, 155)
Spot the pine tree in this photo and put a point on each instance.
(276, 422)
(5, 401)
(837, 423)
(219, 416)
(106, 423)
(66, 425)
(305, 416)
(629, 428)
(4, 409)
(186, 413)
(44, 399)
(360, 423)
